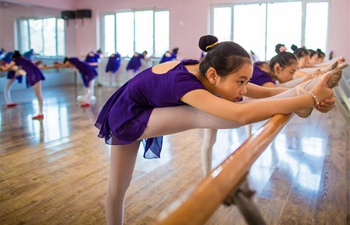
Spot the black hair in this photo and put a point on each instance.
(320, 54)
(284, 59)
(225, 57)
(175, 50)
(65, 60)
(277, 48)
(260, 63)
(99, 51)
(145, 52)
(312, 52)
(16, 54)
(299, 52)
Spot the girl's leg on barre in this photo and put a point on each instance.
(122, 163)
(292, 83)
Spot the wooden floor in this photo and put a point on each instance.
(55, 171)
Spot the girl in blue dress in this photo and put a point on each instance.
(112, 66)
(135, 63)
(92, 59)
(177, 96)
(169, 55)
(33, 76)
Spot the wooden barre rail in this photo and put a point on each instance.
(198, 205)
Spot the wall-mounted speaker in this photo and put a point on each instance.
(66, 15)
(83, 13)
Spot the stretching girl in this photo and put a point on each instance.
(88, 75)
(33, 75)
(112, 66)
(12, 74)
(278, 72)
(135, 63)
(177, 96)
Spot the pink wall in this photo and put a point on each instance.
(188, 21)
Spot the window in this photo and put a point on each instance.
(45, 36)
(130, 32)
(273, 23)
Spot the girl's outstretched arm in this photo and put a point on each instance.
(257, 110)
(8, 66)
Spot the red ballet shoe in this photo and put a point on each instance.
(85, 105)
(37, 63)
(11, 105)
(38, 117)
(3, 63)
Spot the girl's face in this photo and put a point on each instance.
(320, 59)
(287, 73)
(303, 61)
(234, 86)
(313, 59)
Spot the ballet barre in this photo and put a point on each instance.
(343, 99)
(227, 183)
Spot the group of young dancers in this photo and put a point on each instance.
(21, 65)
(221, 91)
(214, 93)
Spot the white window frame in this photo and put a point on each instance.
(303, 21)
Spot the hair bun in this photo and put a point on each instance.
(294, 47)
(206, 42)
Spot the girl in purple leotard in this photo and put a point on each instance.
(112, 66)
(177, 96)
(88, 75)
(135, 63)
(33, 75)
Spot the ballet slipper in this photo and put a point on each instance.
(38, 117)
(325, 69)
(330, 67)
(342, 65)
(85, 105)
(335, 78)
(305, 112)
(11, 105)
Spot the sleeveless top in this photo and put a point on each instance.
(125, 115)
(260, 77)
(113, 63)
(86, 71)
(33, 73)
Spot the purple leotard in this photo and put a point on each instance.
(92, 58)
(166, 58)
(29, 54)
(11, 74)
(260, 77)
(33, 73)
(125, 115)
(135, 62)
(113, 63)
(86, 71)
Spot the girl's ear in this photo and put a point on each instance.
(277, 68)
(211, 75)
